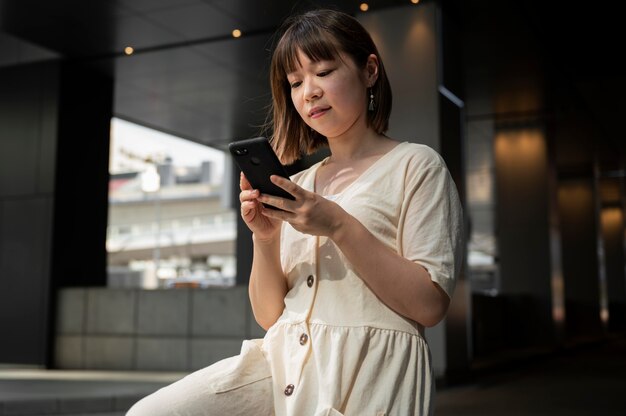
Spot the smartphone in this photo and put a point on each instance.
(256, 158)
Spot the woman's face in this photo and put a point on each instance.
(330, 96)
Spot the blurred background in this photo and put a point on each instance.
(121, 248)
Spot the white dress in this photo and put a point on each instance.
(337, 349)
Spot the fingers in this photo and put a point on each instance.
(276, 214)
(248, 208)
(275, 201)
(248, 195)
(287, 185)
(243, 182)
(284, 204)
(251, 197)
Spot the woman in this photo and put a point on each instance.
(346, 276)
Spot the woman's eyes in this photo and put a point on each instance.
(320, 74)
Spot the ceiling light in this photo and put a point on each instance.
(415, 1)
(236, 33)
(129, 50)
(364, 7)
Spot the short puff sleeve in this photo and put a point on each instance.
(430, 231)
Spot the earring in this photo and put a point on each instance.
(371, 106)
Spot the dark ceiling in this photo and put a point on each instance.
(190, 77)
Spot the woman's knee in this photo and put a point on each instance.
(178, 398)
(240, 385)
(253, 399)
(147, 406)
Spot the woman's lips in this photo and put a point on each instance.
(317, 112)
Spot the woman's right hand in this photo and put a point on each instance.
(263, 228)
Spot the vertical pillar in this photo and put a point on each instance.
(523, 237)
(82, 177)
(28, 121)
(580, 262)
(54, 128)
(612, 223)
(611, 206)
(577, 206)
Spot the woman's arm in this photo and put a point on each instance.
(268, 285)
(412, 294)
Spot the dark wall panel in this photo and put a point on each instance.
(580, 261)
(27, 163)
(82, 177)
(24, 279)
(54, 141)
(612, 222)
(523, 232)
(522, 216)
(20, 141)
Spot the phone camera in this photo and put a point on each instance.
(241, 152)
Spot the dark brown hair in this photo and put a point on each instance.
(320, 35)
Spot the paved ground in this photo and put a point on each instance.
(586, 380)
(98, 393)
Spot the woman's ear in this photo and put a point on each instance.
(371, 70)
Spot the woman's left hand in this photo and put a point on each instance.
(310, 213)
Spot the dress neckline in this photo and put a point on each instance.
(359, 178)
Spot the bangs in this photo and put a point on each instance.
(316, 44)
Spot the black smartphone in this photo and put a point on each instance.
(256, 158)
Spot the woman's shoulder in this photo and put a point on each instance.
(420, 156)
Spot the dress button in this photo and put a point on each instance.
(289, 389)
(310, 280)
(303, 339)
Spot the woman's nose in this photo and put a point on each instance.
(312, 91)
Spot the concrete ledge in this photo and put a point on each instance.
(72, 311)
(162, 354)
(163, 312)
(154, 330)
(111, 311)
(69, 351)
(110, 353)
(69, 406)
(207, 352)
(219, 312)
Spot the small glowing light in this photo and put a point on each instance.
(129, 50)
(604, 314)
(364, 7)
(415, 1)
(236, 33)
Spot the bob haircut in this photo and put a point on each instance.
(320, 35)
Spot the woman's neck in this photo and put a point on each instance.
(347, 149)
